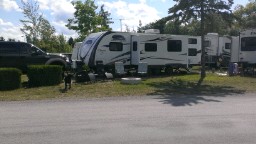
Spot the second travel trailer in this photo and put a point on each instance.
(244, 50)
(159, 51)
(218, 50)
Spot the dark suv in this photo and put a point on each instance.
(21, 54)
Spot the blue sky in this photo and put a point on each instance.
(58, 11)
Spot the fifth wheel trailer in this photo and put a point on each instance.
(244, 50)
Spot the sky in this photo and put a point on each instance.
(58, 11)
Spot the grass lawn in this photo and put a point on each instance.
(213, 84)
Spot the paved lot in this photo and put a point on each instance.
(134, 120)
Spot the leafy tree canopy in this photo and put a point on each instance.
(86, 20)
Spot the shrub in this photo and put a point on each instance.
(44, 75)
(10, 78)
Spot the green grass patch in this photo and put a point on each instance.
(171, 85)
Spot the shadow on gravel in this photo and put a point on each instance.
(183, 93)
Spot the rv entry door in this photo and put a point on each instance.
(135, 52)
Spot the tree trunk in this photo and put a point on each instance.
(203, 74)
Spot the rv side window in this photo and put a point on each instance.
(174, 45)
(192, 52)
(207, 43)
(227, 45)
(115, 46)
(192, 41)
(150, 47)
(135, 46)
(248, 44)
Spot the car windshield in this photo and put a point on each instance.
(36, 50)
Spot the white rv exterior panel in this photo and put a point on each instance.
(235, 50)
(211, 44)
(247, 47)
(75, 52)
(194, 45)
(224, 46)
(108, 56)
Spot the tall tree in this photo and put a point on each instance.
(158, 24)
(2, 39)
(46, 30)
(33, 19)
(139, 28)
(245, 16)
(186, 10)
(86, 20)
(105, 19)
(71, 42)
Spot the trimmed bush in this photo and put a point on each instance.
(44, 75)
(10, 78)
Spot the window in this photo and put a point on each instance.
(248, 44)
(135, 46)
(227, 45)
(88, 42)
(9, 48)
(192, 52)
(207, 43)
(174, 46)
(192, 41)
(115, 46)
(150, 47)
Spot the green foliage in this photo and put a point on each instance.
(31, 24)
(85, 68)
(217, 14)
(86, 20)
(39, 31)
(10, 78)
(44, 75)
(159, 24)
(71, 42)
(245, 16)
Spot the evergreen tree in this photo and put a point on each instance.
(187, 10)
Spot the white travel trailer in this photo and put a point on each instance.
(218, 49)
(244, 50)
(247, 47)
(159, 51)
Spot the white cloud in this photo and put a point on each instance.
(132, 12)
(9, 30)
(44, 4)
(9, 5)
(62, 29)
(60, 11)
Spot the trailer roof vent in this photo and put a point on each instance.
(152, 31)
